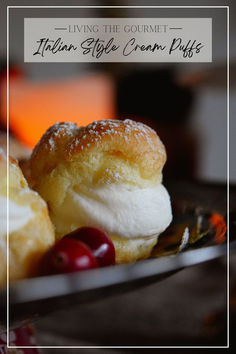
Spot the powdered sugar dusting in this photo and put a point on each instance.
(57, 131)
(111, 176)
(110, 127)
(83, 137)
(96, 131)
(141, 130)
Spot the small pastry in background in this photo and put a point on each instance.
(17, 150)
(107, 175)
(30, 229)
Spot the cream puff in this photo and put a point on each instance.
(31, 231)
(106, 175)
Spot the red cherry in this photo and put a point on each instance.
(66, 256)
(100, 244)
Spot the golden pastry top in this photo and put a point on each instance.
(109, 147)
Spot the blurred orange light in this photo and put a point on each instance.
(35, 106)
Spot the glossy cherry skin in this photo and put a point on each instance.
(100, 244)
(66, 256)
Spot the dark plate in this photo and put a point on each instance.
(36, 297)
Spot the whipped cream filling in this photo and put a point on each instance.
(119, 210)
(19, 215)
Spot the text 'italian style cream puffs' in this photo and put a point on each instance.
(106, 175)
(31, 232)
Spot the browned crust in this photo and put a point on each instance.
(128, 139)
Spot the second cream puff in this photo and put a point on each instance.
(31, 231)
